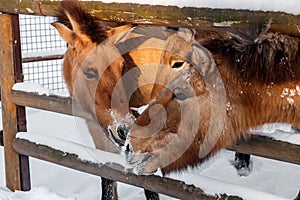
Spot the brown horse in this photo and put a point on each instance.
(251, 78)
(110, 69)
(98, 56)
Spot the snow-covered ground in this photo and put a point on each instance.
(268, 179)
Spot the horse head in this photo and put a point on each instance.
(108, 70)
(183, 125)
(208, 106)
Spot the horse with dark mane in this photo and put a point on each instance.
(245, 78)
(109, 69)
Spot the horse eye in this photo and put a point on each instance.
(91, 74)
(180, 96)
(177, 64)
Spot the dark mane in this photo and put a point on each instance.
(89, 25)
(258, 53)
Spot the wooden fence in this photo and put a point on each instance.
(13, 102)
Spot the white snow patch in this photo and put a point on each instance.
(37, 88)
(141, 109)
(225, 23)
(289, 93)
(219, 176)
(211, 185)
(279, 131)
(84, 153)
(40, 193)
(43, 53)
(29, 10)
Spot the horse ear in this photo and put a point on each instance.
(78, 27)
(71, 36)
(67, 34)
(118, 30)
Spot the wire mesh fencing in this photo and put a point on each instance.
(42, 49)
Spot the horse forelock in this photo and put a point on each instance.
(89, 25)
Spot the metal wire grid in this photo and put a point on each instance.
(39, 38)
(47, 73)
(37, 34)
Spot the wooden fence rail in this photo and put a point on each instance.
(42, 58)
(162, 15)
(256, 145)
(167, 186)
(268, 148)
(52, 103)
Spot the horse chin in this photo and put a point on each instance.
(142, 163)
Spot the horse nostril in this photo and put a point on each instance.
(127, 149)
(122, 131)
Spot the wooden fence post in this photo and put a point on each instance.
(16, 166)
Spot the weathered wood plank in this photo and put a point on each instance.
(21, 113)
(269, 148)
(162, 15)
(158, 184)
(52, 103)
(9, 109)
(42, 58)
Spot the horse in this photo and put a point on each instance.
(232, 84)
(109, 69)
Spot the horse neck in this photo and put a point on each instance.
(252, 103)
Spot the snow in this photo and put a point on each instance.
(85, 153)
(279, 131)
(269, 179)
(218, 174)
(43, 53)
(37, 88)
(40, 193)
(141, 109)
(289, 6)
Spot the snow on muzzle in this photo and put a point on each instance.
(138, 161)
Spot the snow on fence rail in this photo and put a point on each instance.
(17, 169)
(24, 144)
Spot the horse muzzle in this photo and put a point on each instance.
(118, 134)
(142, 163)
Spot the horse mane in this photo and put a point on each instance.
(258, 53)
(89, 25)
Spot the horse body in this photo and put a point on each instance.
(201, 111)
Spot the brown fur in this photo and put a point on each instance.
(260, 72)
(258, 53)
(92, 76)
(89, 25)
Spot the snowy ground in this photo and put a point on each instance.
(269, 179)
